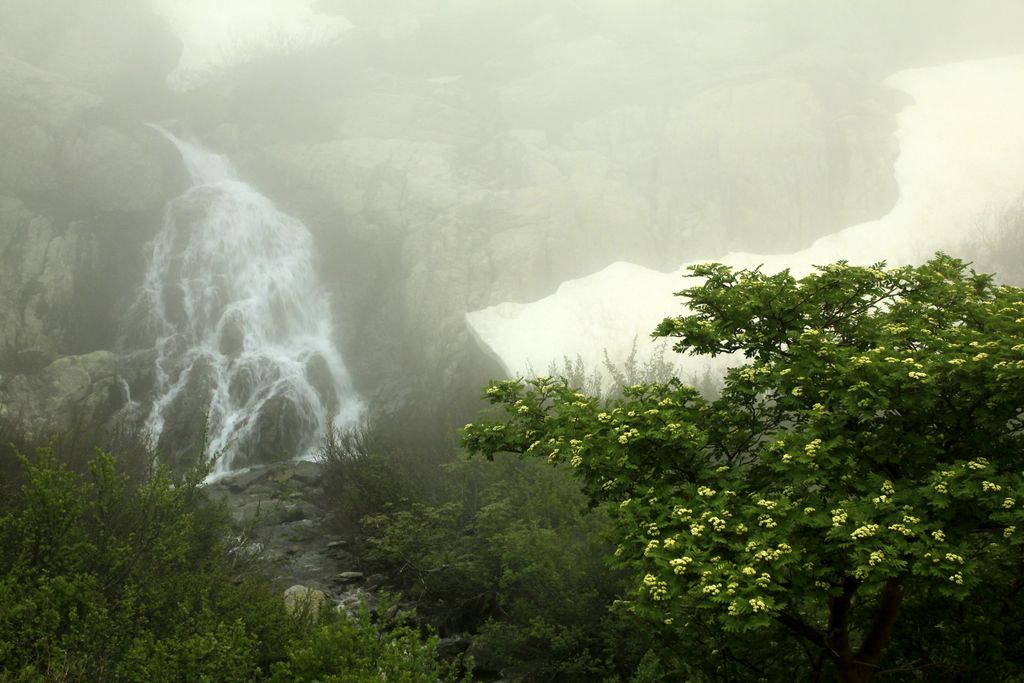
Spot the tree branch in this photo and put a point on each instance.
(801, 629)
(838, 637)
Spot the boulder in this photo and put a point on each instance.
(337, 546)
(299, 599)
(242, 481)
(307, 473)
(69, 391)
(349, 577)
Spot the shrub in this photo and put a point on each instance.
(366, 648)
(376, 467)
(511, 555)
(108, 577)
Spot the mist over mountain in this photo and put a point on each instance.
(465, 158)
(959, 174)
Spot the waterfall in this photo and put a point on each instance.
(237, 324)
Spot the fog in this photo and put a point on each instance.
(959, 173)
(447, 192)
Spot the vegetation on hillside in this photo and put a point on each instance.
(106, 576)
(847, 505)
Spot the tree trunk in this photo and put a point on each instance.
(860, 667)
(850, 666)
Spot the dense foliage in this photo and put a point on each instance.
(105, 577)
(848, 503)
(502, 557)
(508, 555)
(854, 499)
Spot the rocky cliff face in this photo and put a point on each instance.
(82, 186)
(435, 193)
(445, 158)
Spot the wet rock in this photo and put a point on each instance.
(299, 599)
(32, 360)
(375, 581)
(301, 531)
(307, 473)
(271, 508)
(290, 513)
(249, 513)
(188, 409)
(311, 511)
(244, 480)
(282, 429)
(318, 374)
(232, 343)
(349, 577)
(352, 600)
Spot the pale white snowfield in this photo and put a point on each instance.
(220, 34)
(961, 157)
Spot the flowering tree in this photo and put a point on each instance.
(865, 461)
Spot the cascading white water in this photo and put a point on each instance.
(239, 323)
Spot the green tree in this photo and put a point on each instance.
(855, 491)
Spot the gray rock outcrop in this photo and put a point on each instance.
(82, 188)
(71, 390)
(40, 266)
(443, 195)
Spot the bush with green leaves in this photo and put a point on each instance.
(386, 462)
(367, 648)
(109, 577)
(100, 576)
(854, 493)
(510, 555)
